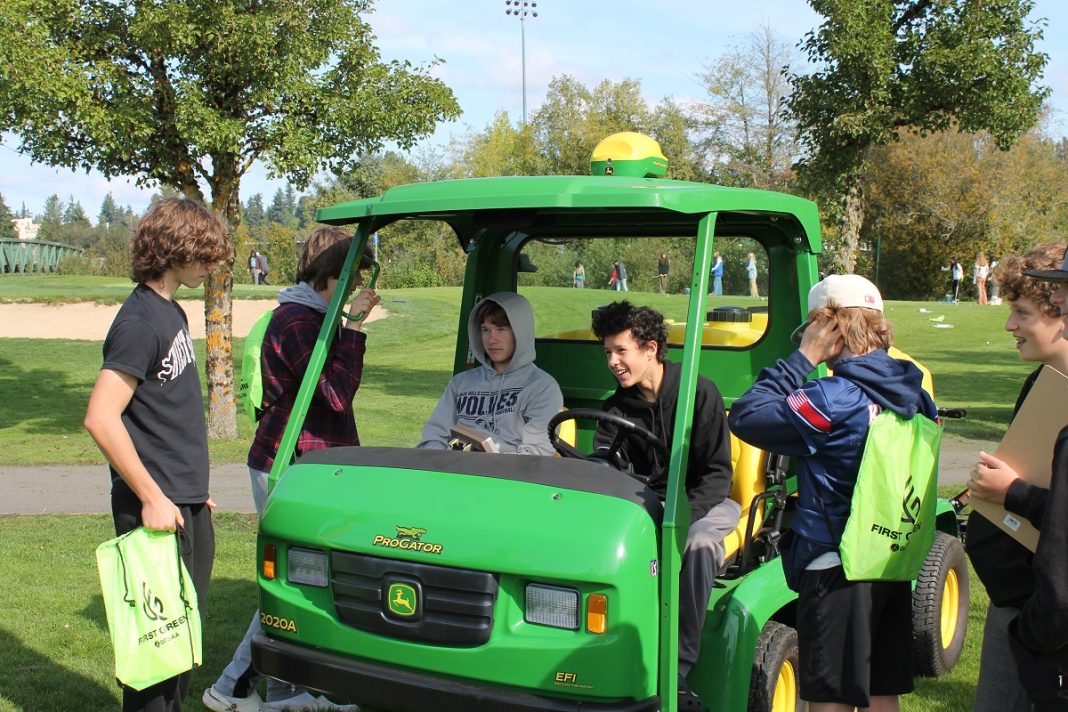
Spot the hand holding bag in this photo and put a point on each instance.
(152, 609)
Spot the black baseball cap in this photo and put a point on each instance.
(1052, 275)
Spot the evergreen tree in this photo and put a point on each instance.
(109, 213)
(74, 214)
(52, 219)
(254, 213)
(7, 227)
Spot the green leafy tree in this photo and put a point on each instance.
(7, 226)
(187, 93)
(885, 65)
(109, 212)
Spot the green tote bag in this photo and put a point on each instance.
(151, 605)
(891, 524)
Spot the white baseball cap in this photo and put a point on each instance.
(845, 290)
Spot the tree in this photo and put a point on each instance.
(746, 133)
(254, 213)
(7, 226)
(885, 65)
(283, 208)
(190, 93)
(51, 220)
(109, 213)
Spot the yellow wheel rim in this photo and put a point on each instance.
(950, 608)
(785, 698)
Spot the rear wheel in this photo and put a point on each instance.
(774, 684)
(940, 608)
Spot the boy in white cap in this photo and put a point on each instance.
(854, 637)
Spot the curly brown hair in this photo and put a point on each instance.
(1015, 284)
(176, 232)
(863, 330)
(646, 325)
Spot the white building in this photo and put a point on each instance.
(26, 228)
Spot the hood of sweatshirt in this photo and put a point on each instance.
(889, 382)
(303, 294)
(521, 319)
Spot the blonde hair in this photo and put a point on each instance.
(862, 329)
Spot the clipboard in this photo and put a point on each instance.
(1028, 448)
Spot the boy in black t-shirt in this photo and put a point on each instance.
(146, 411)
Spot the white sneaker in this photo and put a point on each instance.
(215, 700)
(307, 702)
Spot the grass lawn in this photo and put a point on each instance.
(60, 288)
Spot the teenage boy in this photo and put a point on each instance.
(854, 637)
(1004, 565)
(506, 396)
(330, 422)
(635, 345)
(1039, 635)
(146, 410)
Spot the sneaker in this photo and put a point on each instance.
(307, 702)
(215, 700)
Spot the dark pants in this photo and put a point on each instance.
(198, 553)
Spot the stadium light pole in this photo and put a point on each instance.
(522, 9)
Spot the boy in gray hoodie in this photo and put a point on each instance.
(507, 396)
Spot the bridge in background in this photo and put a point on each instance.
(26, 256)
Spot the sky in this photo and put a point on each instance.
(664, 45)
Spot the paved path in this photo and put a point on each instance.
(84, 489)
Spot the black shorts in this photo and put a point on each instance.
(854, 638)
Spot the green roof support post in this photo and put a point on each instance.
(676, 524)
(287, 448)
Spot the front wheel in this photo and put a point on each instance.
(940, 608)
(774, 686)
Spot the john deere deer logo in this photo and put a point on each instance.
(409, 532)
(402, 600)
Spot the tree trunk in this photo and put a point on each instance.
(218, 314)
(852, 221)
(218, 318)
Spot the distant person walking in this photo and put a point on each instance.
(662, 271)
(261, 262)
(254, 267)
(578, 277)
(717, 274)
(751, 273)
(980, 275)
(621, 276)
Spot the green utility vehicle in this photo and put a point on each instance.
(418, 580)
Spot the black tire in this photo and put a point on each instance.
(940, 608)
(774, 686)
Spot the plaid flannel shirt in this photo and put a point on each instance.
(287, 349)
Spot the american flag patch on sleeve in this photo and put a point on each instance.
(810, 414)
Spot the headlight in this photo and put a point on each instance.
(308, 566)
(552, 606)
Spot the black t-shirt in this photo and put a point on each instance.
(149, 340)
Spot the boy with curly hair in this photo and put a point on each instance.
(635, 346)
(146, 411)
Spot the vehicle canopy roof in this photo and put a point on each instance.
(557, 206)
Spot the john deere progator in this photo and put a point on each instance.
(418, 580)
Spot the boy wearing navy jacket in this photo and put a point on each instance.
(854, 637)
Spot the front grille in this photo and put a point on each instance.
(455, 606)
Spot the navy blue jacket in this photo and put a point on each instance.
(824, 423)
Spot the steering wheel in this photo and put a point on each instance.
(624, 429)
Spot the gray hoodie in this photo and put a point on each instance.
(515, 406)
